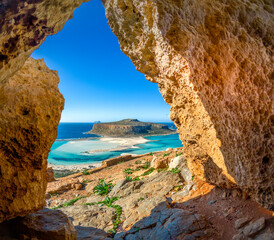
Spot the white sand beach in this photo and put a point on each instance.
(119, 144)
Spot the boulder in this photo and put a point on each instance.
(44, 224)
(159, 162)
(168, 223)
(30, 110)
(91, 216)
(90, 233)
(253, 228)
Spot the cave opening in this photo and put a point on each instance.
(99, 84)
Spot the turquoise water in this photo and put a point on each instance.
(74, 151)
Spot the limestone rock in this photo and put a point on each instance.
(253, 228)
(167, 223)
(212, 62)
(44, 224)
(159, 162)
(175, 162)
(24, 25)
(90, 233)
(141, 197)
(30, 110)
(91, 216)
(50, 174)
(241, 222)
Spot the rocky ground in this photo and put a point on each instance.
(154, 196)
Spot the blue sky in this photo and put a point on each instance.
(98, 81)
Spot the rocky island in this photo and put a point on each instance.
(130, 127)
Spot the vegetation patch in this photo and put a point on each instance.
(69, 203)
(175, 170)
(149, 171)
(146, 165)
(85, 172)
(178, 154)
(109, 203)
(63, 173)
(103, 188)
(161, 170)
(129, 178)
(128, 171)
(166, 154)
(138, 162)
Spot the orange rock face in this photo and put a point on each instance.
(212, 62)
(30, 110)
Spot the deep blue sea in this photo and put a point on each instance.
(71, 146)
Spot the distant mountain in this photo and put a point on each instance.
(130, 127)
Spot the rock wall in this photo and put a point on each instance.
(212, 62)
(30, 111)
(24, 25)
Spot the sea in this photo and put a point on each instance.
(73, 143)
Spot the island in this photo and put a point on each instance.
(130, 127)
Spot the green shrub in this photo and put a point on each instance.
(103, 188)
(136, 179)
(138, 162)
(128, 171)
(109, 203)
(146, 166)
(69, 203)
(85, 172)
(148, 171)
(151, 154)
(129, 178)
(166, 154)
(161, 169)
(178, 154)
(174, 170)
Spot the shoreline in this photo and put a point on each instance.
(123, 143)
(74, 167)
(106, 136)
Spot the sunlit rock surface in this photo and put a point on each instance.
(30, 110)
(24, 25)
(212, 61)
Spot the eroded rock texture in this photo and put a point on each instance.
(30, 110)
(212, 61)
(24, 25)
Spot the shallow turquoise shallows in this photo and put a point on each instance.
(73, 150)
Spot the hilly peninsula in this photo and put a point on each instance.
(130, 127)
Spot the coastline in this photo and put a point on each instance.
(74, 167)
(120, 144)
(106, 136)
